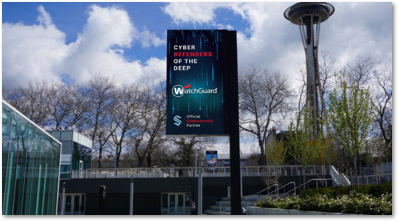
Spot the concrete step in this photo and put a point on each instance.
(228, 203)
(251, 197)
(256, 197)
(225, 204)
(218, 208)
(215, 212)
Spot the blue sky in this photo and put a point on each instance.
(71, 18)
(126, 41)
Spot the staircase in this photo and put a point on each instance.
(223, 207)
(339, 178)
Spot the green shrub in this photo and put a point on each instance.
(374, 190)
(353, 202)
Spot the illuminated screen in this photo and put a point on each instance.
(211, 159)
(195, 82)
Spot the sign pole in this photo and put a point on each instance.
(102, 197)
(131, 198)
(196, 162)
(234, 127)
(200, 193)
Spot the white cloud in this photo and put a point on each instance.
(32, 52)
(39, 51)
(270, 41)
(191, 12)
(99, 48)
(200, 12)
(148, 39)
(44, 18)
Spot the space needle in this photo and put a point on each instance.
(309, 16)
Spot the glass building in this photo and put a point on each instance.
(76, 152)
(31, 161)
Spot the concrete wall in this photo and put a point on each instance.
(147, 191)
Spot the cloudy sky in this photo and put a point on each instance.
(70, 42)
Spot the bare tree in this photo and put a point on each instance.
(326, 71)
(60, 107)
(33, 101)
(185, 154)
(361, 71)
(102, 97)
(79, 103)
(153, 118)
(156, 120)
(383, 108)
(262, 95)
(124, 119)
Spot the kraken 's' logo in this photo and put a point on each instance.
(177, 120)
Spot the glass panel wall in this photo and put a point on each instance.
(76, 152)
(30, 160)
(81, 153)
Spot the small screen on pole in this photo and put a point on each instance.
(211, 159)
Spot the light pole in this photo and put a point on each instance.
(309, 16)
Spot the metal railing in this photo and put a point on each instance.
(277, 190)
(339, 179)
(256, 194)
(371, 179)
(261, 197)
(306, 183)
(176, 172)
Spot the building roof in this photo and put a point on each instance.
(30, 121)
(67, 135)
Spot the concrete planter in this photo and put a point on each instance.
(251, 210)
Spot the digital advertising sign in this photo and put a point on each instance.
(196, 68)
(211, 158)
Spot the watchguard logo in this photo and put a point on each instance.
(179, 90)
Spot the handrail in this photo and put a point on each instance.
(305, 184)
(275, 184)
(290, 170)
(272, 192)
(276, 190)
(335, 175)
(375, 175)
(340, 179)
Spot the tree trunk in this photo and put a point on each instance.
(100, 158)
(349, 170)
(149, 159)
(262, 160)
(304, 179)
(117, 158)
(140, 161)
(356, 170)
